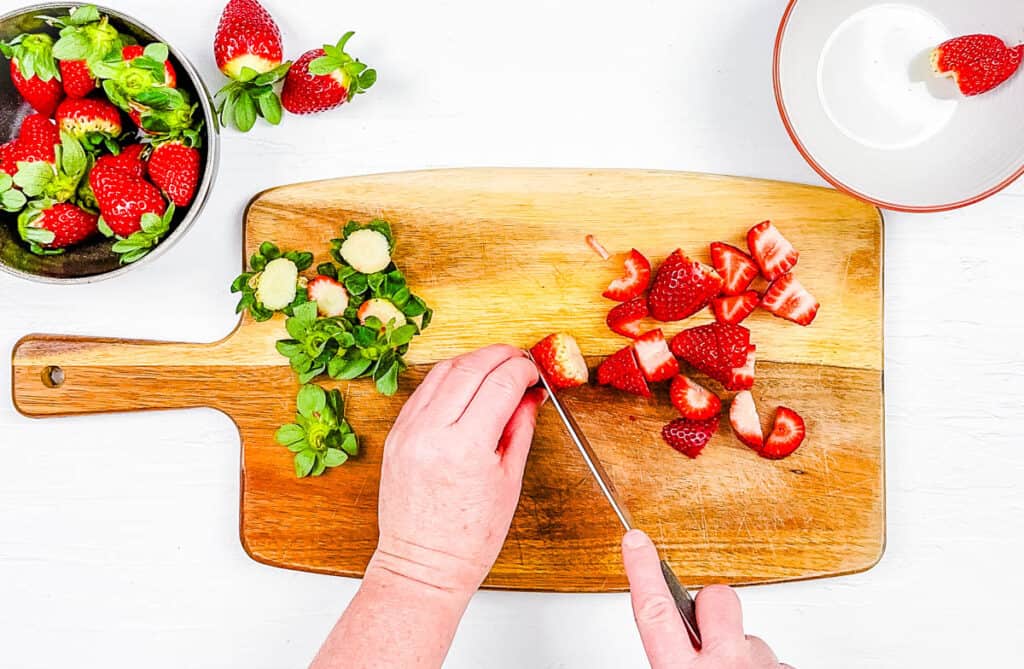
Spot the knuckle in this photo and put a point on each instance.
(656, 609)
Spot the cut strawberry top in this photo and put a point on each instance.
(773, 252)
(622, 371)
(786, 436)
(734, 266)
(656, 361)
(561, 361)
(787, 298)
(635, 280)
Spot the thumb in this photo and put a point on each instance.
(514, 445)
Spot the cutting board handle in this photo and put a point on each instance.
(55, 375)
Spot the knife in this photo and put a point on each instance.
(683, 600)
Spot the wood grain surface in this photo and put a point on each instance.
(500, 255)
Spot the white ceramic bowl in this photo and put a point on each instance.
(856, 91)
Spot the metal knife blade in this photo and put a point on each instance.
(684, 602)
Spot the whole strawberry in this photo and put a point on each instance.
(123, 199)
(248, 50)
(128, 160)
(48, 226)
(325, 78)
(35, 142)
(174, 168)
(34, 71)
(92, 121)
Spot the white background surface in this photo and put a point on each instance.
(118, 535)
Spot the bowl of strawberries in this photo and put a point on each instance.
(108, 143)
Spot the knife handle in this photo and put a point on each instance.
(684, 603)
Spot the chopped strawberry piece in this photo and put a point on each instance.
(693, 400)
(656, 361)
(622, 371)
(773, 252)
(734, 266)
(715, 349)
(689, 437)
(787, 434)
(634, 282)
(682, 287)
(624, 319)
(560, 360)
(734, 310)
(978, 63)
(742, 376)
(787, 298)
(746, 424)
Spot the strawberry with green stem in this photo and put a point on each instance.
(94, 122)
(57, 178)
(320, 437)
(34, 70)
(50, 227)
(153, 228)
(85, 37)
(250, 282)
(325, 78)
(249, 51)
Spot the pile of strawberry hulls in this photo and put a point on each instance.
(721, 350)
(249, 51)
(77, 168)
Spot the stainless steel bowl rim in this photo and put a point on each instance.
(212, 148)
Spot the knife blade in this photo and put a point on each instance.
(684, 602)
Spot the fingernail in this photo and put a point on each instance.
(635, 539)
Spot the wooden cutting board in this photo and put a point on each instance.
(500, 255)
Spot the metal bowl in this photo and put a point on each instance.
(94, 261)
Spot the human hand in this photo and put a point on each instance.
(453, 469)
(663, 632)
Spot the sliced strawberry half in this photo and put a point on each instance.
(773, 252)
(746, 424)
(742, 376)
(715, 349)
(734, 266)
(787, 298)
(787, 434)
(656, 361)
(978, 63)
(735, 309)
(624, 319)
(682, 287)
(622, 371)
(693, 400)
(330, 296)
(634, 281)
(689, 437)
(560, 360)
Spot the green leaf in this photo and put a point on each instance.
(270, 107)
(288, 347)
(247, 74)
(305, 314)
(5, 181)
(403, 335)
(157, 51)
(304, 463)
(367, 79)
(311, 400)
(13, 200)
(72, 46)
(387, 384)
(104, 228)
(335, 457)
(245, 113)
(319, 467)
(356, 284)
(323, 65)
(311, 374)
(82, 15)
(350, 444)
(289, 434)
(348, 368)
(33, 177)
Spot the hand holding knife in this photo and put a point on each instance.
(684, 602)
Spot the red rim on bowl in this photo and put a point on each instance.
(834, 181)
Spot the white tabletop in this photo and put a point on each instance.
(118, 535)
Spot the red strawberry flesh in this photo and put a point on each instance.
(682, 287)
(635, 280)
(734, 310)
(625, 319)
(654, 358)
(689, 437)
(734, 266)
(774, 254)
(787, 298)
(622, 371)
(786, 436)
(745, 422)
(693, 400)
(559, 358)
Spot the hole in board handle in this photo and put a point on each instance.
(53, 376)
